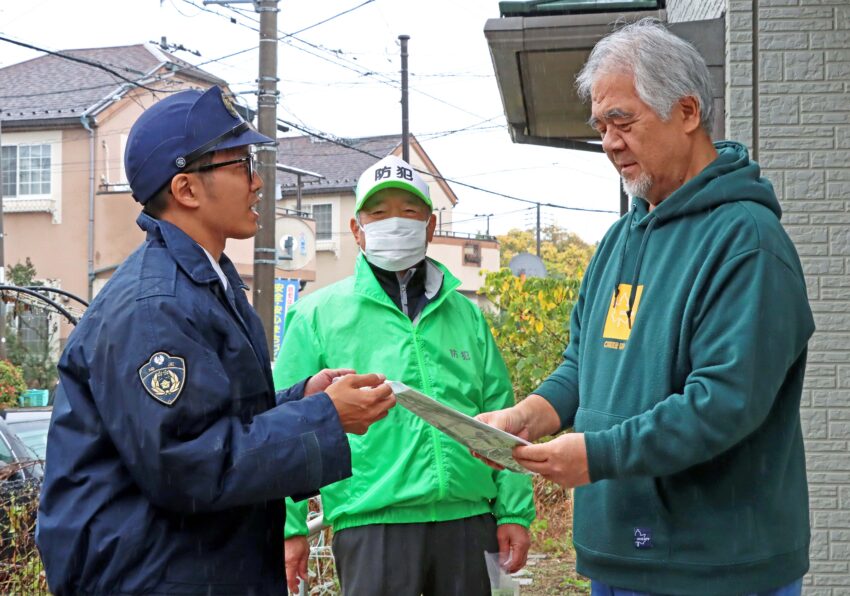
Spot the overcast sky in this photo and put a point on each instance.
(342, 77)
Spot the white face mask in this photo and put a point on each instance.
(395, 243)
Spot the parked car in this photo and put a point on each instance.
(17, 460)
(30, 425)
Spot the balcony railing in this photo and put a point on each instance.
(464, 235)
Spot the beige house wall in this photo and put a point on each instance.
(51, 230)
(116, 234)
(449, 252)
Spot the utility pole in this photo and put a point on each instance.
(264, 244)
(264, 241)
(405, 124)
(538, 229)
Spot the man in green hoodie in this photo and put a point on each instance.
(684, 369)
(418, 512)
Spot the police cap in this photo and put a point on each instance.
(174, 132)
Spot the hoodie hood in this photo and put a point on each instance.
(731, 177)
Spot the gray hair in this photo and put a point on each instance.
(665, 67)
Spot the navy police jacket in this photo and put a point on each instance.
(169, 453)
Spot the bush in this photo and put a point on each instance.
(532, 328)
(12, 384)
(21, 571)
(531, 325)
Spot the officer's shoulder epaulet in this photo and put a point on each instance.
(157, 273)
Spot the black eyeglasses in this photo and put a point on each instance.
(250, 159)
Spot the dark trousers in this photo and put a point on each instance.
(434, 559)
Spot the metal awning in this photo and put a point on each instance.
(527, 8)
(536, 60)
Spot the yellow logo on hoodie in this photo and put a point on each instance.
(617, 324)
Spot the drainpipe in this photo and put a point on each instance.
(85, 119)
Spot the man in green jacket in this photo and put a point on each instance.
(418, 513)
(684, 370)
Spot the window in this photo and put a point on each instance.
(6, 455)
(26, 170)
(9, 157)
(471, 254)
(34, 331)
(322, 214)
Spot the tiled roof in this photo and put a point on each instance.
(340, 166)
(51, 87)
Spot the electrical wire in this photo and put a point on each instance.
(336, 141)
(339, 14)
(338, 60)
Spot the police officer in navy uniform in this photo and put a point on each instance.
(169, 453)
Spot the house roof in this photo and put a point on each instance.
(53, 88)
(340, 166)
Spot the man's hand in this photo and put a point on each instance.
(514, 541)
(295, 553)
(509, 420)
(360, 400)
(562, 460)
(323, 379)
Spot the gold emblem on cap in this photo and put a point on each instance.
(228, 105)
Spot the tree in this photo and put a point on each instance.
(563, 252)
(22, 274)
(531, 324)
(29, 330)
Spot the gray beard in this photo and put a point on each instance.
(639, 187)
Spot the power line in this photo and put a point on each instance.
(339, 14)
(380, 77)
(339, 60)
(474, 126)
(59, 92)
(477, 217)
(335, 141)
(215, 12)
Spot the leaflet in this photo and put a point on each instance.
(490, 442)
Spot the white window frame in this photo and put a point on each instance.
(43, 202)
(331, 222)
(330, 244)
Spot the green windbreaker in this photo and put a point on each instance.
(404, 470)
(684, 371)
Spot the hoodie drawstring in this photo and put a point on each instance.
(623, 254)
(638, 264)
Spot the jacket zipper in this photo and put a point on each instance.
(435, 434)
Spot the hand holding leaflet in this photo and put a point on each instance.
(490, 442)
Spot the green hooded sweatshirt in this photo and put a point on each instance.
(684, 370)
(403, 469)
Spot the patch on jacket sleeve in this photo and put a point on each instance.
(163, 377)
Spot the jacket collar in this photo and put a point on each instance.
(437, 279)
(187, 253)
